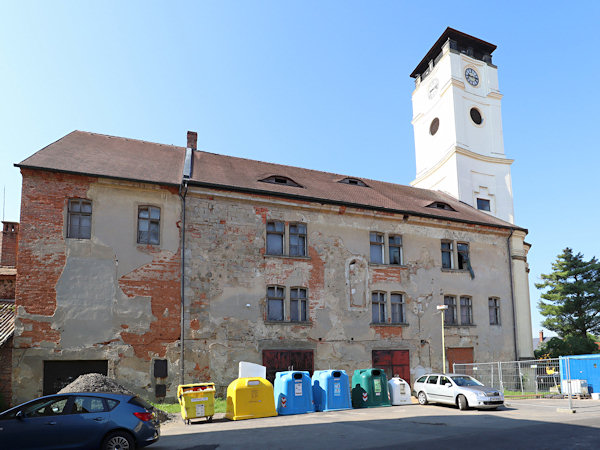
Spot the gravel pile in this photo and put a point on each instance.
(95, 382)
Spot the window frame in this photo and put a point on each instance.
(71, 213)
(297, 235)
(395, 245)
(275, 232)
(300, 302)
(401, 304)
(484, 202)
(495, 307)
(150, 221)
(378, 246)
(466, 308)
(462, 262)
(449, 251)
(275, 298)
(450, 319)
(381, 308)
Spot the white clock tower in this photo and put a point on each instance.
(458, 126)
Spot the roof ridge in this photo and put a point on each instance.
(110, 136)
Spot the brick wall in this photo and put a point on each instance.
(7, 287)
(6, 374)
(8, 244)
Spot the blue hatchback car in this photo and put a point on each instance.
(80, 421)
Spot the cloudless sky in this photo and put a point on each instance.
(318, 84)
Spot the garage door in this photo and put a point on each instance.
(57, 374)
(283, 360)
(393, 362)
(458, 355)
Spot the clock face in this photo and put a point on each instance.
(472, 76)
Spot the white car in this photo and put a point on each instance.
(454, 389)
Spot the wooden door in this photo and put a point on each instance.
(458, 355)
(283, 360)
(393, 362)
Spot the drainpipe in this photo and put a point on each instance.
(183, 188)
(512, 293)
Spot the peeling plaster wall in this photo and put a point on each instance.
(226, 269)
(105, 298)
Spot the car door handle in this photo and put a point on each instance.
(98, 419)
(50, 423)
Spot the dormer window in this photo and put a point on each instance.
(353, 181)
(280, 179)
(441, 205)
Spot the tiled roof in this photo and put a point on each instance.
(100, 155)
(7, 320)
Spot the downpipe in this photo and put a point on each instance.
(512, 294)
(183, 188)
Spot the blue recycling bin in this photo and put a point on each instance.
(293, 393)
(331, 390)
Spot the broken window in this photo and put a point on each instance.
(466, 311)
(148, 225)
(450, 314)
(494, 306)
(79, 219)
(378, 307)
(397, 301)
(298, 305)
(395, 249)
(298, 239)
(275, 232)
(447, 257)
(275, 297)
(376, 240)
(463, 255)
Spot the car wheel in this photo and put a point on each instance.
(118, 440)
(422, 397)
(462, 403)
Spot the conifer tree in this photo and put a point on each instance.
(572, 296)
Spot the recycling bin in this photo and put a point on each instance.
(331, 390)
(250, 398)
(399, 392)
(196, 400)
(293, 393)
(369, 388)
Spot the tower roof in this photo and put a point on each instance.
(463, 41)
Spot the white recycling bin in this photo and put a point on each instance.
(399, 392)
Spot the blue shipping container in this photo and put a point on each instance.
(331, 390)
(582, 367)
(293, 393)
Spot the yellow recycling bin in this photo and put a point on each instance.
(196, 400)
(250, 398)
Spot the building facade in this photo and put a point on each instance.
(158, 264)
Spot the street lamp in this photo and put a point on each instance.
(442, 309)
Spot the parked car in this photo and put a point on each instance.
(455, 389)
(80, 420)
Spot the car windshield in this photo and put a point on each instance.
(465, 380)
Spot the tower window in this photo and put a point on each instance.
(483, 204)
(435, 125)
(476, 116)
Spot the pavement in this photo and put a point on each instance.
(540, 423)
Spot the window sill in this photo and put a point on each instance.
(455, 270)
(459, 325)
(387, 324)
(287, 256)
(306, 323)
(399, 266)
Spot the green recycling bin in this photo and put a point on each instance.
(369, 389)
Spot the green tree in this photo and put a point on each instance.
(570, 345)
(572, 296)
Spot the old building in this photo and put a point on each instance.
(8, 275)
(284, 266)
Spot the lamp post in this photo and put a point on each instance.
(442, 309)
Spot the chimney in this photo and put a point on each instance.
(9, 244)
(541, 336)
(192, 140)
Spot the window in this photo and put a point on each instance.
(435, 125)
(280, 179)
(378, 307)
(148, 225)
(298, 305)
(275, 232)
(494, 305)
(41, 408)
(483, 204)
(476, 116)
(432, 379)
(79, 220)
(447, 259)
(84, 405)
(298, 239)
(422, 379)
(353, 181)
(397, 301)
(376, 247)
(466, 311)
(441, 205)
(450, 314)
(463, 255)
(275, 297)
(395, 249)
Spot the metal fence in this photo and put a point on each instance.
(539, 378)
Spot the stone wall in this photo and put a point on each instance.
(6, 375)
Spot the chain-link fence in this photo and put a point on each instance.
(538, 378)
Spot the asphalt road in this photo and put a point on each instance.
(528, 424)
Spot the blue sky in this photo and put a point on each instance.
(317, 84)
